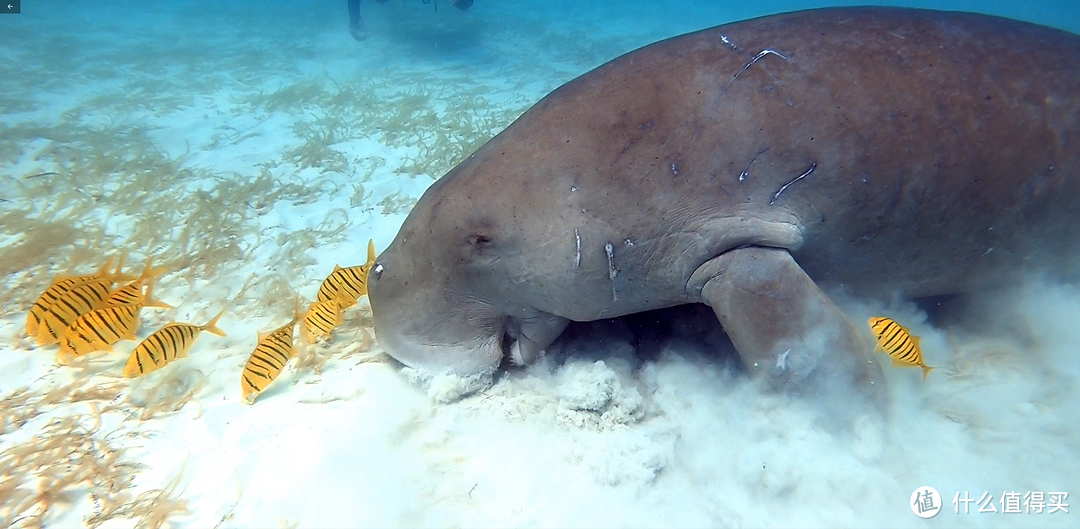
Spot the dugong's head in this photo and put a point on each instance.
(426, 310)
(456, 290)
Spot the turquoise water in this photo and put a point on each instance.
(251, 146)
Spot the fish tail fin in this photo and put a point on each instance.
(371, 251)
(211, 326)
(159, 271)
(104, 270)
(120, 265)
(150, 271)
(926, 371)
(297, 313)
(120, 276)
(146, 269)
(151, 302)
(148, 277)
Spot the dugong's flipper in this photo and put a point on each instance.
(787, 331)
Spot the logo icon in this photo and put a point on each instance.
(925, 502)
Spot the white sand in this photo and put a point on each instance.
(590, 442)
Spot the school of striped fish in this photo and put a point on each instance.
(342, 288)
(88, 313)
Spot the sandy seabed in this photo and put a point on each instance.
(253, 147)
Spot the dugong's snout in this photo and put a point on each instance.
(419, 325)
(464, 358)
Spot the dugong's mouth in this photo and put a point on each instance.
(436, 329)
(477, 355)
(511, 343)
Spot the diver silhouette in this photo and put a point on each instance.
(356, 22)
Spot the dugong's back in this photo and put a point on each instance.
(937, 151)
(958, 156)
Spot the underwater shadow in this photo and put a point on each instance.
(691, 331)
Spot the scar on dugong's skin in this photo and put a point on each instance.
(744, 167)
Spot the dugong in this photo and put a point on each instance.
(752, 167)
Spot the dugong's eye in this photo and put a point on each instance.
(479, 241)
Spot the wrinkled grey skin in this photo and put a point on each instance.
(744, 167)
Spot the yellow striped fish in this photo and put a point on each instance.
(320, 319)
(99, 329)
(63, 284)
(68, 307)
(87, 297)
(274, 350)
(898, 342)
(167, 344)
(133, 291)
(348, 283)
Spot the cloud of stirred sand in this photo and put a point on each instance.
(596, 435)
